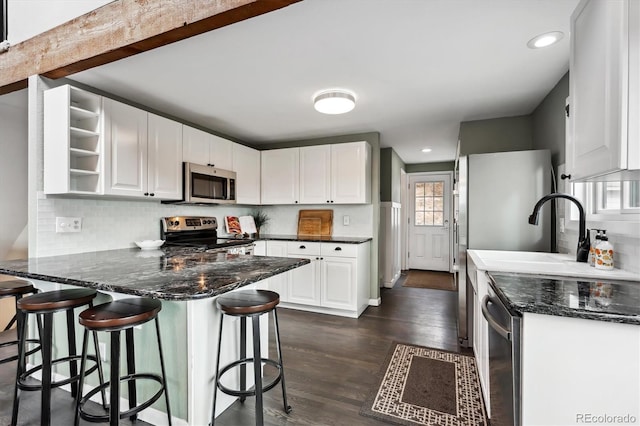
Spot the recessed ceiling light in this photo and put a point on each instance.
(426, 150)
(544, 40)
(334, 101)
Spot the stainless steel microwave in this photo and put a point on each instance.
(208, 185)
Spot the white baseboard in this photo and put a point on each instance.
(375, 302)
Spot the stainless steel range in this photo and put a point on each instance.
(200, 232)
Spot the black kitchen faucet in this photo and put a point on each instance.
(584, 241)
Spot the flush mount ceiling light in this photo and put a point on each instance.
(426, 150)
(334, 101)
(544, 40)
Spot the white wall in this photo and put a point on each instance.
(13, 175)
(30, 17)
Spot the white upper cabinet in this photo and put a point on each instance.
(125, 149)
(204, 148)
(315, 174)
(246, 164)
(604, 89)
(143, 153)
(334, 174)
(351, 173)
(164, 151)
(280, 176)
(73, 141)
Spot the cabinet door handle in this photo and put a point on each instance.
(328, 201)
(146, 194)
(338, 249)
(152, 194)
(302, 247)
(296, 202)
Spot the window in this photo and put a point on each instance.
(607, 199)
(429, 202)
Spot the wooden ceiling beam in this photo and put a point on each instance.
(117, 30)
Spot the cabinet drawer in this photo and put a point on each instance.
(339, 250)
(303, 248)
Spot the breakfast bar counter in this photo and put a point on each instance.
(188, 281)
(169, 274)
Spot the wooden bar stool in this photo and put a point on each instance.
(250, 304)
(114, 317)
(17, 289)
(45, 305)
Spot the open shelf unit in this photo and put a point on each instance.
(73, 142)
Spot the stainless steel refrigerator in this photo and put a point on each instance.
(494, 194)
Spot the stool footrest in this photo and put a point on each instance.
(93, 418)
(32, 387)
(15, 342)
(240, 393)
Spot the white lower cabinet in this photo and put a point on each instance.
(279, 283)
(304, 282)
(480, 285)
(336, 281)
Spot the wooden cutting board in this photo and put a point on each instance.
(309, 220)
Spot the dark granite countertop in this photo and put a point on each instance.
(596, 299)
(318, 239)
(170, 274)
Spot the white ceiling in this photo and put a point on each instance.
(418, 68)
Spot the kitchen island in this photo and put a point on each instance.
(187, 281)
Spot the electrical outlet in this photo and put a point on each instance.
(103, 351)
(345, 220)
(68, 224)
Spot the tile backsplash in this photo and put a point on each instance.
(114, 224)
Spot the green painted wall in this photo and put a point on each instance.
(548, 121)
(444, 166)
(390, 168)
(496, 135)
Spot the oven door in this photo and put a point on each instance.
(204, 184)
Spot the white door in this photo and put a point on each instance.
(430, 207)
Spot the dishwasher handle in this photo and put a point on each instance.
(492, 322)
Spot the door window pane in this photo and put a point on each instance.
(429, 203)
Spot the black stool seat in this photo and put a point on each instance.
(120, 314)
(114, 317)
(44, 305)
(16, 289)
(57, 300)
(249, 304)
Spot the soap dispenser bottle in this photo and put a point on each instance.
(592, 251)
(604, 253)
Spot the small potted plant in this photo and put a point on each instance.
(260, 218)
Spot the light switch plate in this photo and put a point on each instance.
(68, 224)
(345, 220)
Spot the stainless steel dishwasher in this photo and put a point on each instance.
(504, 361)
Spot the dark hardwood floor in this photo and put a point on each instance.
(331, 363)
